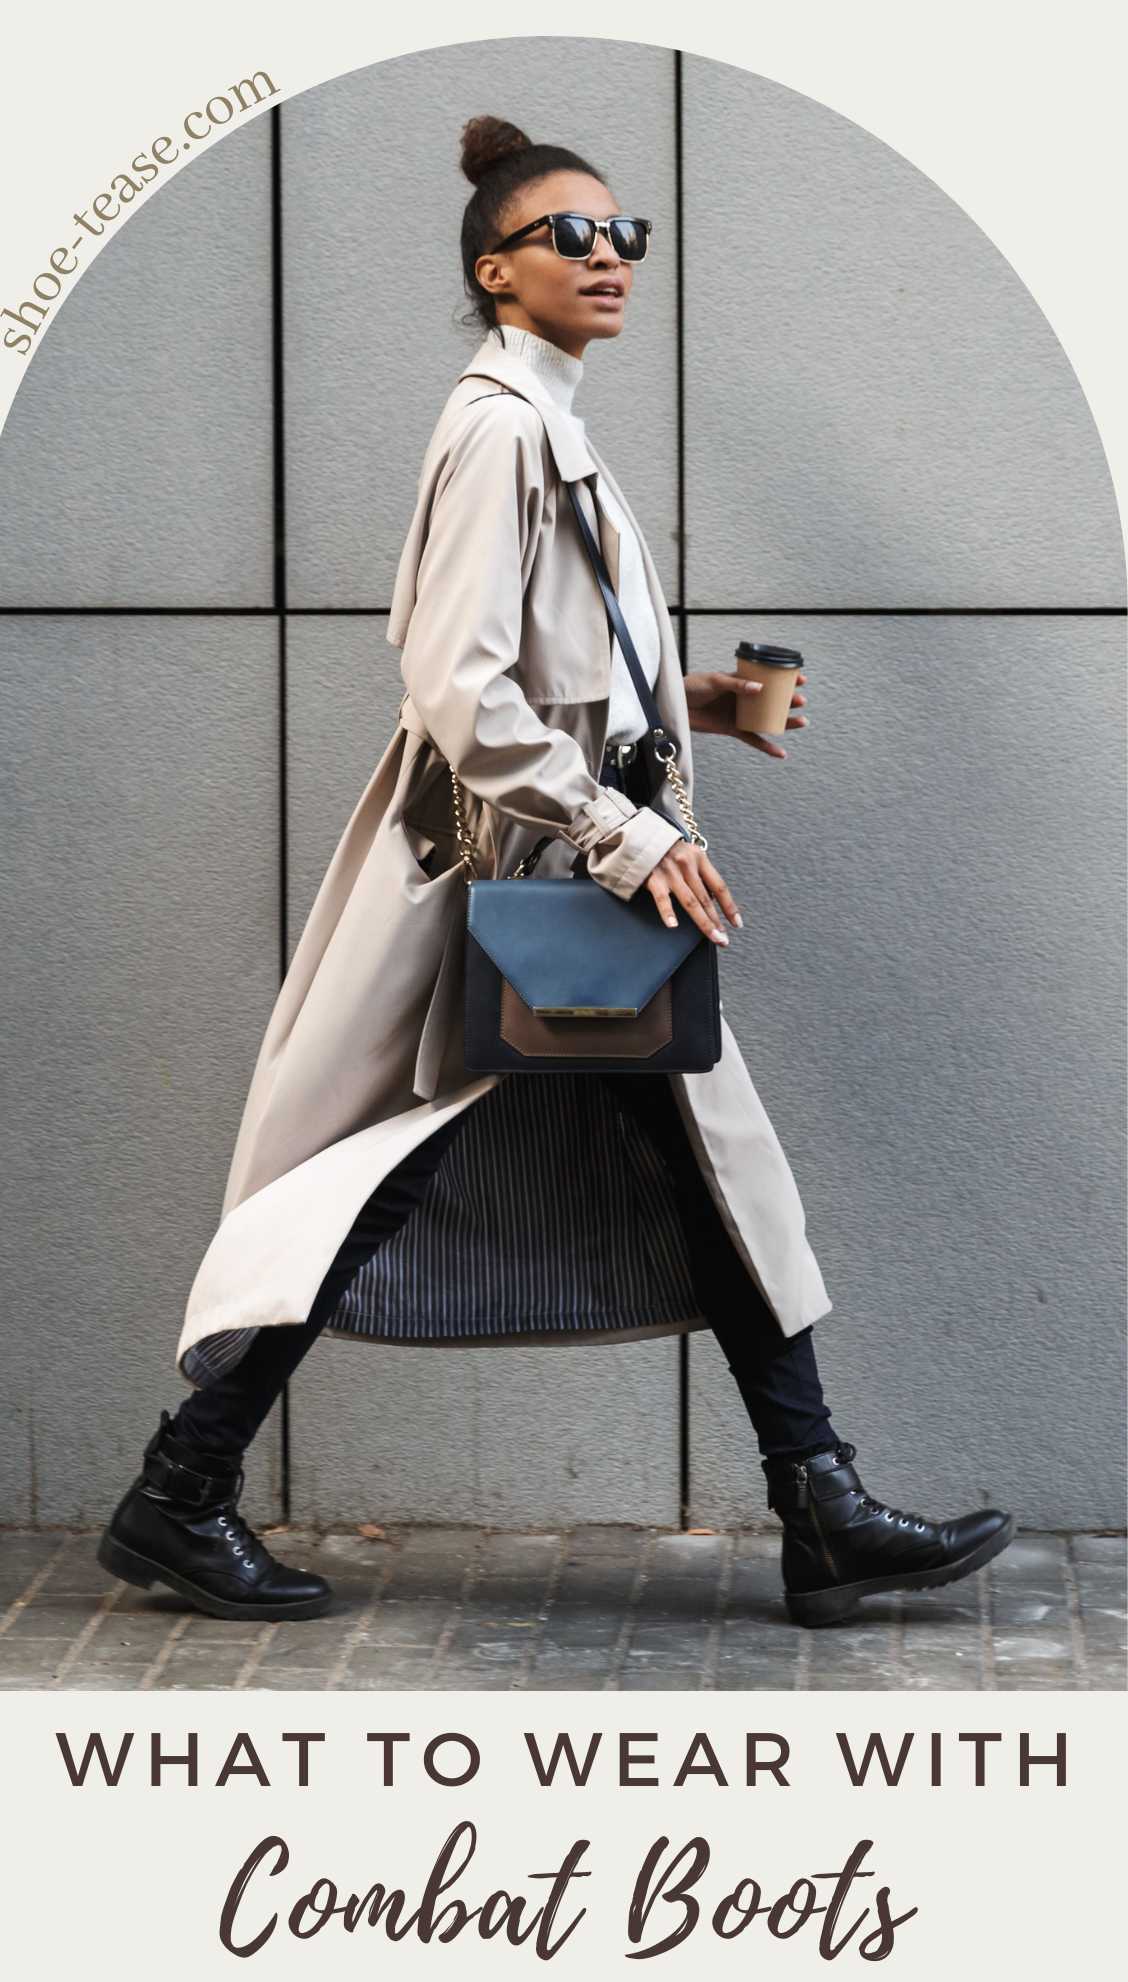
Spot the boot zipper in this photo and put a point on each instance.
(807, 1499)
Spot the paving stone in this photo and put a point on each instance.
(601, 1544)
(62, 1617)
(580, 1679)
(560, 1665)
(404, 1668)
(34, 1662)
(23, 1556)
(472, 1676)
(757, 1655)
(1107, 1675)
(1035, 1659)
(299, 1679)
(1032, 1625)
(660, 1679)
(432, 1563)
(1100, 1577)
(205, 1632)
(77, 1570)
(663, 1642)
(397, 1621)
(862, 1652)
(598, 1608)
(943, 1637)
(1111, 1550)
(209, 1668)
(572, 1627)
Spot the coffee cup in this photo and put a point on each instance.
(777, 668)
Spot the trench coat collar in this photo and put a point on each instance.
(571, 453)
(576, 461)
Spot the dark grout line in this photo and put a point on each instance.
(908, 612)
(279, 608)
(683, 647)
(676, 611)
(679, 328)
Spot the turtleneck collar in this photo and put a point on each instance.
(559, 373)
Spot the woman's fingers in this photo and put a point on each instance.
(688, 878)
(659, 887)
(696, 908)
(767, 744)
(720, 889)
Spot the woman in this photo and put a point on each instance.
(375, 1188)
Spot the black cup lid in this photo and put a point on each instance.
(772, 657)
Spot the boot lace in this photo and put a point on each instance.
(242, 1538)
(903, 1518)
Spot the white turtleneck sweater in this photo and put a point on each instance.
(560, 374)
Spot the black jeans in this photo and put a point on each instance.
(777, 1374)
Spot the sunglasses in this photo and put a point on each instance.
(574, 235)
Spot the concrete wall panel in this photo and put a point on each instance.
(140, 892)
(876, 411)
(929, 994)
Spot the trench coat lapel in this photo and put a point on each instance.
(570, 450)
(576, 459)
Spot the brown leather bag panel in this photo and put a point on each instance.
(540, 1037)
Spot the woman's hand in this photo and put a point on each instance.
(688, 875)
(712, 707)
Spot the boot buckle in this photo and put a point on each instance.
(190, 1488)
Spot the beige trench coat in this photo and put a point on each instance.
(506, 662)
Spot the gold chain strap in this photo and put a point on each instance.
(462, 833)
(467, 852)
(680, 793)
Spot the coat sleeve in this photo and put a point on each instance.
(464, 634)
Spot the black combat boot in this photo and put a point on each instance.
(178, 1525)
(839, 1543)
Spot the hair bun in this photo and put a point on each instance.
(485, 141)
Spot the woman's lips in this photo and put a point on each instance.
(602, 296)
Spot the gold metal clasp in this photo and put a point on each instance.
(586, 1011)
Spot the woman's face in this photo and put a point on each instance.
(539, 290)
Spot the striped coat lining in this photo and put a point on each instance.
(521, 1235)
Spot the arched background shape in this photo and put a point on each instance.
(843, 422)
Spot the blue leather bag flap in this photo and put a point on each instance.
(571, 942)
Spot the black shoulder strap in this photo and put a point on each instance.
(662, 744)
(614, 610)
(618, 623)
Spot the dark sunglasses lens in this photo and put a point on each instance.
(573, 236)
(629, 239)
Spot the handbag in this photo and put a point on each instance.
(562, 974)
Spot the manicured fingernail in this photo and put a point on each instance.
(718, 935)
(671, 922)
(739, 920)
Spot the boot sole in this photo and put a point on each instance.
(129, 1567)
(814, 1607)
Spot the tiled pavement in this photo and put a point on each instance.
(610, 1609)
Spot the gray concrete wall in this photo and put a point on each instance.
(887, 461)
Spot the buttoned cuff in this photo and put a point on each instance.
(597, 817)
(624, 850)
